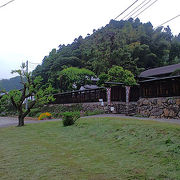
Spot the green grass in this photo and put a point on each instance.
(93, 149)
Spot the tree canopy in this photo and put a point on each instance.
(73, 78)
(133, 45)
(117, 74)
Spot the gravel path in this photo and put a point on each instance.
(10, 121)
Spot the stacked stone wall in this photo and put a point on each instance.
(119, 107)
(162, 107)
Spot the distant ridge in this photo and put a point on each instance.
(10, 84)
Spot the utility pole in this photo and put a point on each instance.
(27, 72)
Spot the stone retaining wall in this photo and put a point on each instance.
(124, 108)
(119, 107)
(165, 107)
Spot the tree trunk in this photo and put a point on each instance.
(21, 120)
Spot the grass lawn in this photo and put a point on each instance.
(93, 149)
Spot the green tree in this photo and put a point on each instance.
(31, 88)
(73, 78)
(103, 77)
(118, 74)
(131, 44)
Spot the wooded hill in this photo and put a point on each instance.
(9, 84)
(131, 44)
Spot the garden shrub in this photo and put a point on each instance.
(34, 112)
(45, 115)
(69, 118)
(7, 110)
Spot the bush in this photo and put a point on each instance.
(34, 112)
(44, 116)
(69, 118)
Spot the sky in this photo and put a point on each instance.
(30, 29)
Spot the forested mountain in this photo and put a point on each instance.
(10, 84)
(131, 44)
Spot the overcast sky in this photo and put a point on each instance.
(29, 29)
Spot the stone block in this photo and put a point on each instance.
(166, 112)
(178, 101)
(172, 114)
(145, 102)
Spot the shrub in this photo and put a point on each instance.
(34, 112)
(45, 115)
(69, 118)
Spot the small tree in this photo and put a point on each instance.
(31, 88)
(73, 78)
(117, 74)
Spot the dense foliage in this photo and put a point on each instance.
(131, 44)
(73, 78)
(117, 74)
(69, 118)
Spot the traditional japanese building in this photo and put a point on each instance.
(160, 82)
(160, 92)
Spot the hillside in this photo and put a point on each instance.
(131, 44)
(10, 84)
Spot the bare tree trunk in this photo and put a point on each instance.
(21, 120)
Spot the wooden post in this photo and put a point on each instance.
(127, 99)
(108, 90)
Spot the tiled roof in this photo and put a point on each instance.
(160, 70)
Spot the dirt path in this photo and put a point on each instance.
(10, 121)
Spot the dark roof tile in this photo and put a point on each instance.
(160, 70)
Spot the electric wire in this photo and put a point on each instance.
(133, 13)
(168, 21)
(145, 9)
(126, 9)
(33, 63)
(6, 3)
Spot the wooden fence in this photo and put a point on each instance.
(162, 87)
(80, 96)
(118, 93)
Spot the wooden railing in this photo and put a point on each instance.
(80, 96)
(118, 93)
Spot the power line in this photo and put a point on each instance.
(126, 9)
(168, 21)
(145, 9)
(137, 9)
(6, 3)
(34, 63)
